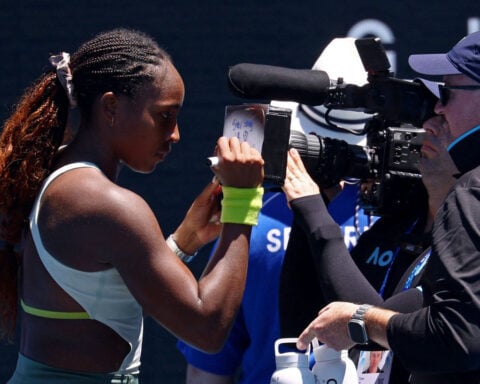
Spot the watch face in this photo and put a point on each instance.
(357, 331)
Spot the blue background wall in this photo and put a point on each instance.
(204, 38)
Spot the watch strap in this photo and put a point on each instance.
(360, 312)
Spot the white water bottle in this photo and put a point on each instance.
(333, 367)
(292, 366)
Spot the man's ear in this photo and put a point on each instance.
(109, 102)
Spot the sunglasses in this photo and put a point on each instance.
(444, 91)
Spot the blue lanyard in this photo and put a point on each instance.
(418, 268)
(385, 280)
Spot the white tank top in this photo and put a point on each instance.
(103, 294)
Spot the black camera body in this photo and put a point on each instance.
(397, 187)
(387, 164)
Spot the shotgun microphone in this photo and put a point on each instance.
(258, 81)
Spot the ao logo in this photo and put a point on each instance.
(380, 259)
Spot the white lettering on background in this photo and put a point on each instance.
(473, 24)
(377, 28)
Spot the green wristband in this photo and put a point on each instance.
(241, 205)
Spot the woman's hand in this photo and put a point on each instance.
(201, 224)
(298, 182)
(240, 165)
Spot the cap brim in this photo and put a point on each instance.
(432, 86)
(432, 64)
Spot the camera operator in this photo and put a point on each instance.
(440, 342)
(315, 244)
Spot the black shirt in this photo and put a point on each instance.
(446, 333)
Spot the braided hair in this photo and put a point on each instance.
(120, 61)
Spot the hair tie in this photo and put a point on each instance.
(64, 74)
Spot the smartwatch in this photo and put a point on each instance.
(356, 326)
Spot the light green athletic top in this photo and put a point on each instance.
(102, 294)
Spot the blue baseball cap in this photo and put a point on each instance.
(463, 58)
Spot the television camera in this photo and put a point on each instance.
(387, 163)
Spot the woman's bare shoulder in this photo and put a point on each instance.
(85, 205)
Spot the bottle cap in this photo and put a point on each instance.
(290, 358)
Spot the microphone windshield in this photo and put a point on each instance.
(257, 81)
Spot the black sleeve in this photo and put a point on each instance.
(337, 274)
(446, 333)
(318, 269)
(300, 297)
